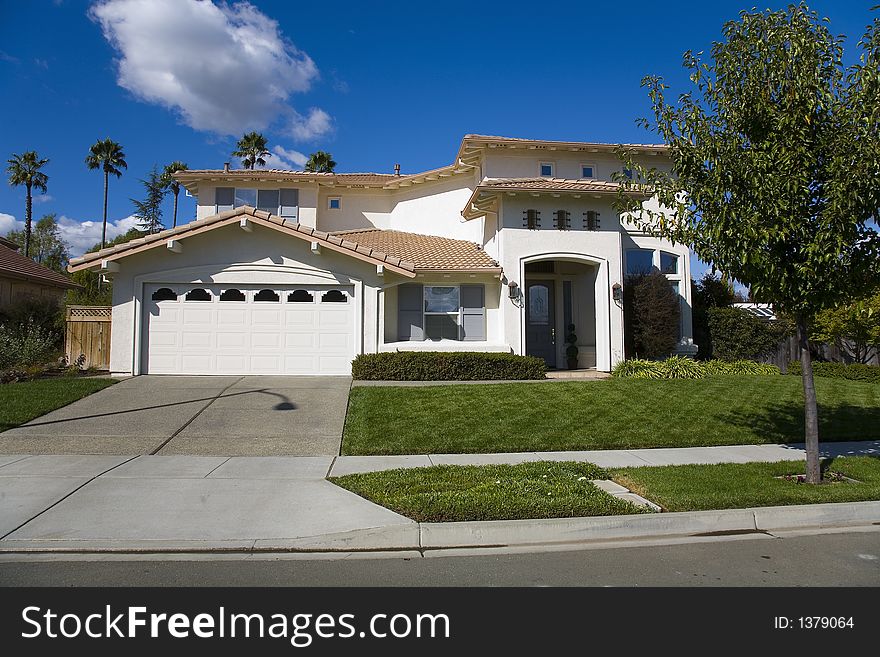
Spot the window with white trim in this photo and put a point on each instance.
(547, 169)
(588, 170)
(441, 312)
(334, 203)
(282, 202)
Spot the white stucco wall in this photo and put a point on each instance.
(230, 255)
(434, 208)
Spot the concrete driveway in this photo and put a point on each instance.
(195, 415)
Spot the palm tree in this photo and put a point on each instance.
(252, 150)
(170, 183)
(107, 155)
(320, 162)
(24, 170)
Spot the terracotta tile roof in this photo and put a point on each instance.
(14, 265)
(426, 252)
(552, 142)
(551, 184)
(340, 243)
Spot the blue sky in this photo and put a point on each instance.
(372, 83)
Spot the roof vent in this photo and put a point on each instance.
(396, 169)
(226, 167)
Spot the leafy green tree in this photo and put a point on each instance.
(24, 170)
(775, 176)
(149, 211)
(47, 246)
(107, 155)
(709, 292)
(251, 148)
(95, 293)
(652, 315)
(853, 327)
(320, 162)
(173, 185)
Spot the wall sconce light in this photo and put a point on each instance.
(617, 292)
(513, 290)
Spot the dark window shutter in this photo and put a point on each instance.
(225, 198)
(473, 312)
(410, 297)
(289, 199)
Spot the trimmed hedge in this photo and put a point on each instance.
(738, 335)
(853, 372)
(446, 366)
(679, 367)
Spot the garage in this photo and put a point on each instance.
(248, 329)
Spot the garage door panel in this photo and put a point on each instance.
(249, 337)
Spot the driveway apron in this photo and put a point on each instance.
(205, 415)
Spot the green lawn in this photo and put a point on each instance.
(612, 414)
(743, 485)
(449, 493)
(22, 402)
(544, 489)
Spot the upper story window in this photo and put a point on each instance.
(639, 261)
(668, 263)
(532, 219)
(547, 169)
(591, 220)
(588, 170)
(334, 203)
(280, 202)
(563, 219)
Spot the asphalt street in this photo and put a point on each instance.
(831, 559)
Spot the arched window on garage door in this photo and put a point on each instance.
(266, 296)
(198, 294)
(232, 295)
(164, 294)
(334, 296)
(300, 296)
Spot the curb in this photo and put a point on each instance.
(502, 533)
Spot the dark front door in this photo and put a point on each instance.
(541, 321)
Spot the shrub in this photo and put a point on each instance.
(739, 335)
(679, 367)
(853, 371)
(442, 366)
(708, 292)
(31, 312)
(651, 310)
(26, 345)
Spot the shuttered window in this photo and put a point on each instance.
(410, 313)
(473, 313)
(225, 197)
(424, 316)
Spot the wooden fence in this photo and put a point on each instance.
(88, 334)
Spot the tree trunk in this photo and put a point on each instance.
(104, 226)
(28, 216)
(174, 224)
(811, 412)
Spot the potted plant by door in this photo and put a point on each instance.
(571, 350)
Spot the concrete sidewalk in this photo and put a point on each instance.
(247, 504)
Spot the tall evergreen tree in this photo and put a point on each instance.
(47, 246)
(149, 210)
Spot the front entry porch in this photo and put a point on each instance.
(557, 295)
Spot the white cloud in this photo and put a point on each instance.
(224, 68)
(317, 124)
(284, 158)
(81, 236)
(8, 223)
(42, 198)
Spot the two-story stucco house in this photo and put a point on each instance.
(287, 272)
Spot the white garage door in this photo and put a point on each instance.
(248, 330)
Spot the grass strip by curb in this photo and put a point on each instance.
(744, 485)
(449, 493)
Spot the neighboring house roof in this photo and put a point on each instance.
(392, 249)
(426, 252)
(485, 197)
(9, 244)
(15, 265)
(759, 310)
